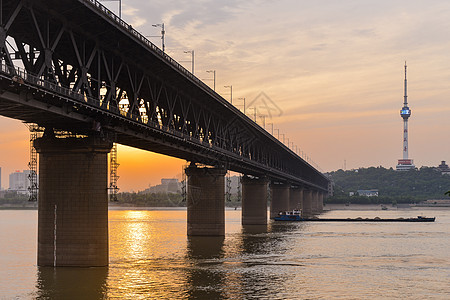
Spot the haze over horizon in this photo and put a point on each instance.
(334, 70)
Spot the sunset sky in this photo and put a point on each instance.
(334, 69)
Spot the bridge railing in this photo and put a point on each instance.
(20, 75)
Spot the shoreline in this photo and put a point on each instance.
(372, 207)
(327, 207)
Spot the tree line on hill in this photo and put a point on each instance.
(393, 186)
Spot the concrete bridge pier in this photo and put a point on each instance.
(315, 204)
(254, 200)
(307, 203)
(295, 198)
(280, 198)
(205, 201)
(73, 201)
(320, 201)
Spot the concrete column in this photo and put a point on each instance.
(315, 202)
(295, 198)
(205, 201)
(254, 200)
(320, 202)
(280, 199)
(307, 203)
(73, 201)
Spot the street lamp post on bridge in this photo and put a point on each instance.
(192, 59)
(231, 92)
(242, 98)
(163, 32)
(272, 127)
(214, 78)
(254, 114)
(263, 117)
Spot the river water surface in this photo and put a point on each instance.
(152, 258)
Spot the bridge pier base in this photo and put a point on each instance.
(254, 201)
(307, 203)
(73, 201)
(280, 199)
(205, 201)
(295, 198)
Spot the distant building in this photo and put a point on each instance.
(0, 178)
(331, 188)
(168, 185)
(19, 181)
(443, 168)
(405, 165)
(368, 193)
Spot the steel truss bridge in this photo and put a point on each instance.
(72, 64)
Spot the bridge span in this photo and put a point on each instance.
(73, 65)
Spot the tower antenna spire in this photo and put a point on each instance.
(406, 163)
(405, 101)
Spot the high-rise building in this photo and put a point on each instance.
(19, 181)
(405, 163)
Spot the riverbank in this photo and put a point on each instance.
(27, 205)
(366, 207)
(328, 207)
(111, 206)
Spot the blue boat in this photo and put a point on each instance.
(295, 215)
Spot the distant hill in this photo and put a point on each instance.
(393, 186)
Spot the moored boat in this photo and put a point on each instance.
(294, 215)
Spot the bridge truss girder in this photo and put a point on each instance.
(96, 70)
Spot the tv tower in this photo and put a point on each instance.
(405, 163)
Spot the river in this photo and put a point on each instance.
(152, 258)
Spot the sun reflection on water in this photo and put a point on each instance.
(151, 245)
(136, 232)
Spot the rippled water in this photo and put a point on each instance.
(151, 257)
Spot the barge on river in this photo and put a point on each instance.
(296, 216)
